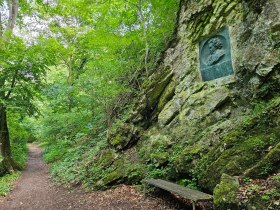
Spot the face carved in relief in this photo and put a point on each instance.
(216, 50)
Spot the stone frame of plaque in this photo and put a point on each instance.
(215, 56)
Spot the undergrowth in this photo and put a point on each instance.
(19, 151)
(71, 163)
(6, 182)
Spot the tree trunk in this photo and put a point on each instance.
(145, 36)
(13, 11)
(1, 27)
(8, 164)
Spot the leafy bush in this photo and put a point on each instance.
(19, 136)
(55, 152)
(19, 151)
(77, 165)
(6, 183)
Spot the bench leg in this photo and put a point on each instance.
(145, 191)
(193, 205)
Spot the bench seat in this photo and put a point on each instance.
(191, 194)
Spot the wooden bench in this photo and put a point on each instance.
(193, 195)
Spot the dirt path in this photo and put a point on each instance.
(34, 190)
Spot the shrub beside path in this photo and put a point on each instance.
(34, 190)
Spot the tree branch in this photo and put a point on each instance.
(13, 84)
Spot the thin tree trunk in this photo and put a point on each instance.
(7, 164)
(13, 11)
(1, 26)
(70, 81)
(145, 31)
(4, 133)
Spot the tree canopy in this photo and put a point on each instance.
(74, 65)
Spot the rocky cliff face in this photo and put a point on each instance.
(186, 127)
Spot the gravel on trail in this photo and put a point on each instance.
(35, 191)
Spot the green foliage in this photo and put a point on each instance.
(135, 173)
(22, 68)
(276, 178)
(261, 193)
(78, 82)
(6, 183)
(272, 194)
(55, 152)
(19, 136)
(103, 53)
(157, 173)
(78, 165)
(191, 183)
(254, 189)
(19, 152)
(246, 180)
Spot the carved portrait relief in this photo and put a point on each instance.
(216, 51)
(215, 56)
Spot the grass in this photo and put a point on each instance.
(6, 182)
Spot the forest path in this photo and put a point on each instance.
(34, 190)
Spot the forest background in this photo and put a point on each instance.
(69, 71)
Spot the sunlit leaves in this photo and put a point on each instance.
(100, 48)
(22, 70)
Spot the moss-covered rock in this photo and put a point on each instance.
(116, 174)
(155, 150)
(225, 193)
(243, 147)
(135, 173)
(267, 165)
(157, 86)
(125, 136)
(184, 163)
(167, 94)
(106, 158)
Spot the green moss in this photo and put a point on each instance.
(118, 140)
(106, 158)
(159, 158)
(267, 165)
(124, 136)
(243, 148)
(157, 87)
(113, 175)
(135, 173)
(166, 95)
(225, 193)
(2, 167)
(155, 150)
(185, 158)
